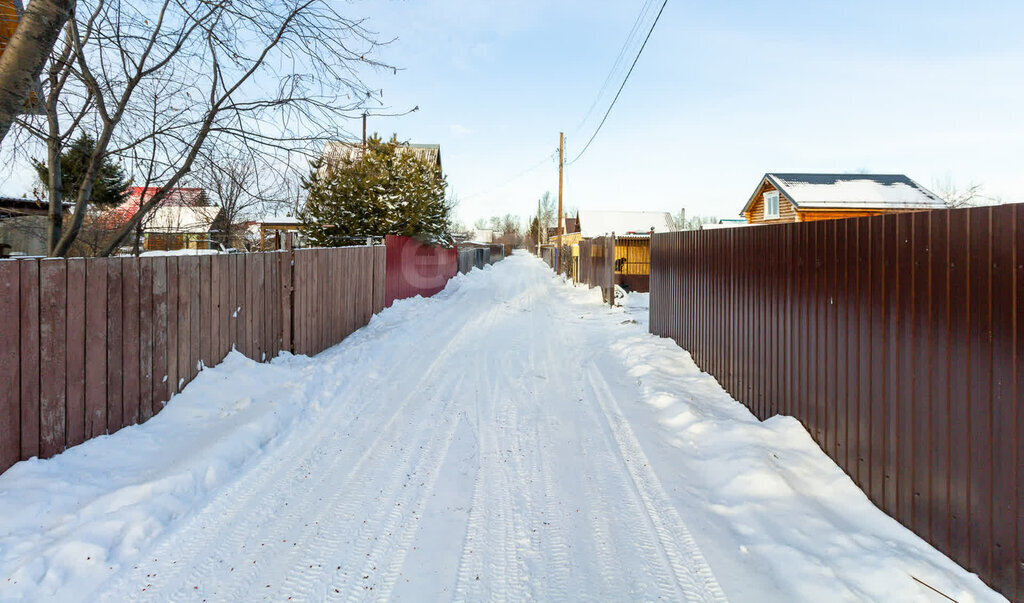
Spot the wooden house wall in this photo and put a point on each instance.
(755, 215)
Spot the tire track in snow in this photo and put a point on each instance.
(489, 569)
(691, 571)
(256, 501)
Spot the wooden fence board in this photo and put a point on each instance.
(160, 375)
(52, 356)
(173, 327)
(130, 341)
(204, 337)
(29, 282)
(195, 318)
(145, 339)
(75, 353)
(207, 332)
(115, 411)
(10, 365)
(249, 310)
(184, 332)
(101, 343)
(222, 268)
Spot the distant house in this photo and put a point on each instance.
(184, 219)
(593, 223)
(809, 197)
(335, 152)
(23, 226)
(137, 195)
(171, 227)
(632, 240)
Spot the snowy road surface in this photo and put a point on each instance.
(509, 439)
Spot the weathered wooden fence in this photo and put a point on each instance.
(897, 340)
(88, 346)
(597, 265)
(416, 268)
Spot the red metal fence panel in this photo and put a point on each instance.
(896, 340)
(415, 268)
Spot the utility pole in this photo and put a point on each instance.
(561, 163)
(364, 129)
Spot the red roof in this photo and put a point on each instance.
(176, 197)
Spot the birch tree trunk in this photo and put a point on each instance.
(26, 54)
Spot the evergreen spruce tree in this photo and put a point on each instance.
(111, 187)
(377, 192)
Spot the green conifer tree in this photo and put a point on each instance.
(375, 192)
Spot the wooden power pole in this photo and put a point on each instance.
(561, 163)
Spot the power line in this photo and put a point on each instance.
(626, 79)
(618, 60)
(512, 179)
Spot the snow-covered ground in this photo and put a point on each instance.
(510, 438)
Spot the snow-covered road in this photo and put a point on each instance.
(508, 439)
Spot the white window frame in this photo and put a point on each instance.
(771, 205)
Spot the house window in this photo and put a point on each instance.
(771, 205)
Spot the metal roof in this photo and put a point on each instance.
(594, 223)
(849, 191)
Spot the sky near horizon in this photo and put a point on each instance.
(723, 93)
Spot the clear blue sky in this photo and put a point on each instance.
(723, 93)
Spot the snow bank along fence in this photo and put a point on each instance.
(597, 265)
(88, 346)
(417, 268)
(897, 340)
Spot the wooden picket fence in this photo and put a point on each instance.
(88, 346)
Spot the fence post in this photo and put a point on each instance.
(611, 270)
(287, 272)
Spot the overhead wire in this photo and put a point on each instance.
(626, 79)
(648, 4)
(512, 179)
(630, 38)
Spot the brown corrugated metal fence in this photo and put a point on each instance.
(88, 346)
(897, 340)
(597, 265)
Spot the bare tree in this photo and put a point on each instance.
(548, 214)
(163, 81)
(235, 183)
(510, 225)
(955, 197)
(25, 56)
